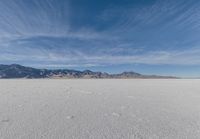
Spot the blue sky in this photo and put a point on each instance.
(147, 36)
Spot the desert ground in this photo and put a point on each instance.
(100, 109)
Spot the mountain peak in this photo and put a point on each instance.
(18, 71)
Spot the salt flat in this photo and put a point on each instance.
(100, 109)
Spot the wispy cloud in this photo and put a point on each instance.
(39, 32)
(80, 59)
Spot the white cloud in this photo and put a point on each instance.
(118, 44)
(185, 57)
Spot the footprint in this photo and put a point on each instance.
(68, 90)
(116, 114)
(133, 116)
(86, 92)
(70, 117)
(137, 136)
(5, 120)
(20, 105)
(132, 97)
(123, 107)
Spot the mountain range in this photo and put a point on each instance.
(19, 71)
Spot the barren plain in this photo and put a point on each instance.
(100, 109)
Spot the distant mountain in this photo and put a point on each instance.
(18, 71)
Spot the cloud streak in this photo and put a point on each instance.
(79, 59)
(55, 33)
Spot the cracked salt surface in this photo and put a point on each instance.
(99, 109)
